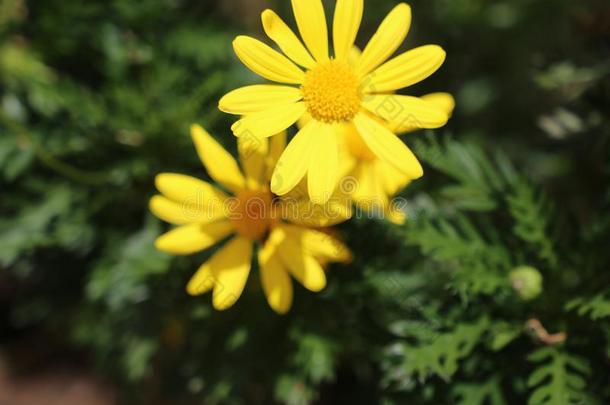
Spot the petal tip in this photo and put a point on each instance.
(195, 289)
(222, 305)
(153, 203)
(403, 8)
(235, 128)
(318, 287)
(196, 129)
(418, 173)
(222, 104)
(159, 179)
(280, 310)
(267, 17)
(160, 244)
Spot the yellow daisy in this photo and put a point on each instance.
(333, 92)
(374, 181)
(249, 216)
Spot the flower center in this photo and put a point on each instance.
(331, 91)
(251, 213)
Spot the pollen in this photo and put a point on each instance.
(332, 93)
(251, 213)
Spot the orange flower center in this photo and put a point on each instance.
(251, 213)
(331, 91)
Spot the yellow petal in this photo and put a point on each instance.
(387, 146)
(392, 180)
(294, 162)
(275, 280)
(400, 111)
(354, 56)
(194, 238)
(304, 267)
(372, 196)
(367, 191)
(348, 16)
(202, 282)
(200, 197)
(182, 214)
(304, 120)
(299, 192)
(320, 244)
(311, 21)
(277, 144)
(260, 97)
(219, 163)
(304, 212)
(353, 145)
(253, 155)
(323, 170)
(231, 267)
(396, 215)
(269, 122)
(392, 31)
(444, 101)
(266, 62)
(406, 70)
(284, 37)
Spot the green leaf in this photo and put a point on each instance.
(121, 278)
(532, 211)
(480, 181)
(478, 263)
(502, 334)
(488, 393)
(596, 307)
(558, 378)
(441, 355)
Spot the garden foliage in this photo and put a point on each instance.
(496, 291)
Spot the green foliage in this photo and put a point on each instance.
(441, 355)
(480, 265)
(315, 356)
(96, 98)
(559, 380)
(48, 223)
(531, 214)
(114, 282)
(489, 392)
(596, 307)
(478, 180)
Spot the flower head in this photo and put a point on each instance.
(333, 91)
(375, 181)
(250, 216)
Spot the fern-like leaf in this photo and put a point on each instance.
(596, 308)
(479, 263)
(480, 181)
(531, 211)
(559, 378)
(480, 394)
(441, 356)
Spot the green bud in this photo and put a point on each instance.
(527, 282)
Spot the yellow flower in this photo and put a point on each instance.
(375, 181)
(333, 92)
(206, 215)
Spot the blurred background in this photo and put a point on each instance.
(96, 98)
